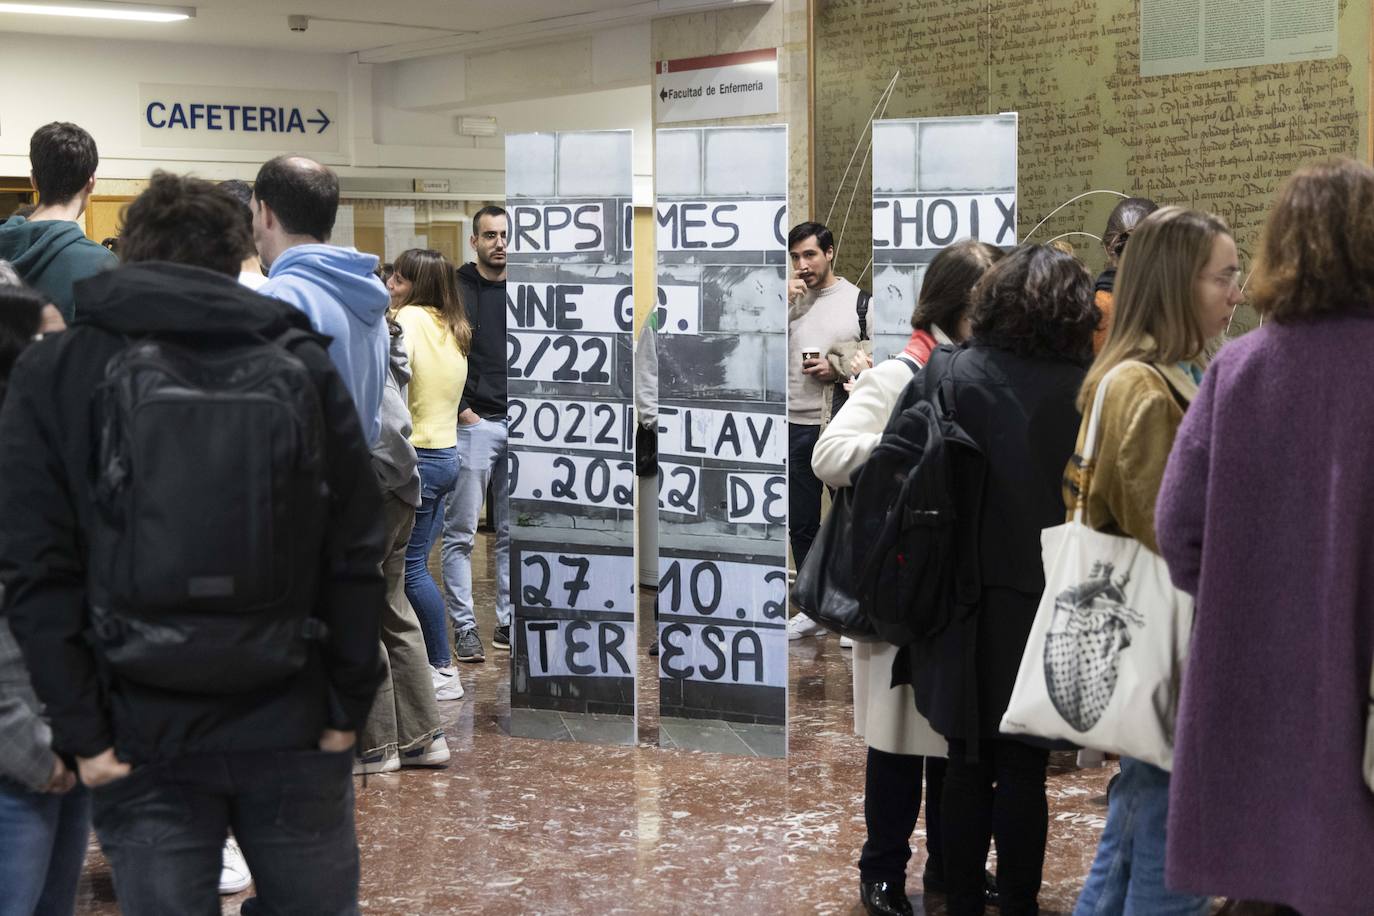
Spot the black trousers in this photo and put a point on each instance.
(1002, 795)
(892, 802)
(803, 490)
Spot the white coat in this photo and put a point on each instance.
(884, 716)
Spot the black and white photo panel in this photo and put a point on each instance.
(721, 211)
(570, 323)
(936, 181)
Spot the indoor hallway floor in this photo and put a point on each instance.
(524, 826)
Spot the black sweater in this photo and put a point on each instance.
(485, 301)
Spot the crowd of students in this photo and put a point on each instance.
(1244, 465)
(225, 464)
(221, 484)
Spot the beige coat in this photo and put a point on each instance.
(884, 716)
(1140, 418)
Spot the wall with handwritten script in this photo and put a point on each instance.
(1220, 140)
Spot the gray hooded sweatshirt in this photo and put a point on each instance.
(393, 457)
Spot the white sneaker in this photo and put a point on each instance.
(233, 870)
(427, 755)
(446, 686)
(387, 761)
(801, 626)
(846, 642)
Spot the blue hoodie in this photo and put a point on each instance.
(336, 289)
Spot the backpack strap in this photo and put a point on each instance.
(861, 309)
(909, 362)
(1088, 456)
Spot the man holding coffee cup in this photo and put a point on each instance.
(822, 312)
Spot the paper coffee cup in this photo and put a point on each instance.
(811, 353)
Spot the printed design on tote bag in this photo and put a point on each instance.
(1090, 630)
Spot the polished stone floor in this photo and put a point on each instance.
(518, 825)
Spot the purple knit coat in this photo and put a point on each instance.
(1266, 514)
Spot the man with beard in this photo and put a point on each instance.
(822, 312)
(481, 440)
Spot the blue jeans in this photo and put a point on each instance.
(163, 827)
(1127, 876)
(438, 473)
(482, 455)
(43, 841)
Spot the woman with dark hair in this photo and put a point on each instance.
(1013, 388)
(44, 815)
(1125, 216)
(900, 742)
(437, 337)
(1270, 471)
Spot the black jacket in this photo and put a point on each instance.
(1021, 412)
(485, 301)
(1105, 281)
(46, 457)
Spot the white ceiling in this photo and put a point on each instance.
(375, 25)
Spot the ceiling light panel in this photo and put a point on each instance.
(92, 9)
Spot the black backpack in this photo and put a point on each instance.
(861, 303)
(915, 508)
(211, 505)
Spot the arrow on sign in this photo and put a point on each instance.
(663, 95)
(322, 120)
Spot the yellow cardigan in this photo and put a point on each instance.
(439, 370)
(1140, 417)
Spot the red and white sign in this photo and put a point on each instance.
(720, 86)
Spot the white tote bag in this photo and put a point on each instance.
(1104, 661)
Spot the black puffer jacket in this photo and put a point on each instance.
(46, 456)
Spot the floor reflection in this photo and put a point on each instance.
(519, 825)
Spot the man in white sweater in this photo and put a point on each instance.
(822, 312)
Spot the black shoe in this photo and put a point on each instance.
(884, 898)
(500, 638)
(933, 882)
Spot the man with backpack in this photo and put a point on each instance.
(824, 310)
(190, 550)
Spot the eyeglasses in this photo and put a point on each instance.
(1227, 279)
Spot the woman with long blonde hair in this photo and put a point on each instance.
(438, 337)
(1175, 291)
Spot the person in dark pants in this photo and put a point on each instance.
(1015, 385)
(1001, 795)
(804, 490)
(898, 739)
(822, 313)
(219, 681)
